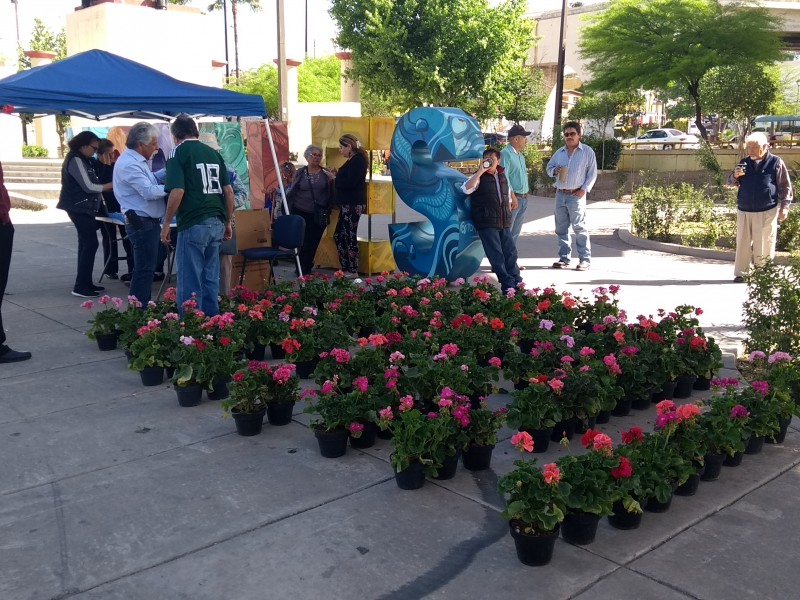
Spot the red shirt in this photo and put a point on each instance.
(5, 201)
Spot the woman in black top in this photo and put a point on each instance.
(308, 194)
(351, 199)
(106, 157)
(81, 198)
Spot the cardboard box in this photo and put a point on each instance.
(252, 231)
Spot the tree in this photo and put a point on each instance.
(439, 52)
(44, 40)
(600, 109)
(524, 96)
(740, 93)
(650, 44)
(254, 5)
(319, 80)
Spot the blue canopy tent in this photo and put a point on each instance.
(100, 85)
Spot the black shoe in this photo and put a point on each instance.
(125, 278)
(7, 355)
(560, 264)
(98, 288)
(86, 293)
(738, 279)
(111, 276)
(158, 276)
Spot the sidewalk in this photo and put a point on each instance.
(111, 491)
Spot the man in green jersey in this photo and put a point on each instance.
(201, 197)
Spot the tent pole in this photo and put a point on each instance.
(280, 184)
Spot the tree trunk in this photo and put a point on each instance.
(694, 92)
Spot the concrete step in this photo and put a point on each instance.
(31, 178)
(38, 191)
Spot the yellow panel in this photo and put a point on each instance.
(333, 158)
(381, 130)
(326, 131)
(375, 257)
(380, 198)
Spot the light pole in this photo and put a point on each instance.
(225, 23)
(560, 71)
(797, 99)
(16, 18)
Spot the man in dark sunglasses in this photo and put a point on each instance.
(574, 167)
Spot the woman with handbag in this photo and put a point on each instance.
(309, 197)
(351, 199)
(81, 197)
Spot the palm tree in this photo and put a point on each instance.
(218, 4)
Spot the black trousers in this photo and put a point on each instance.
(86, 227)
(6, 243)
(310, 241)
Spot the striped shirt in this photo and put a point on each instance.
(581, 168)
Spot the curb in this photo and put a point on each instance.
(781, 258)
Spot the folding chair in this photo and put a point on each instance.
(288, 232)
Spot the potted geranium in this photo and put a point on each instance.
(155, 347)
(591, 487)
(453, 414)
(310, 335)
(536, 409)
(765, 410)
(782, 373)
(535, 504)
(255, 389)
(724, 422)
(481, 432)
(333, 418)
(106, 324)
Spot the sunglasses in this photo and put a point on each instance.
(95, 148)
(570, 133)
(315, 155)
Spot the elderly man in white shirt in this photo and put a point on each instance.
(575, 168)
(143, 202)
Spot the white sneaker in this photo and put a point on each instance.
(583, 266)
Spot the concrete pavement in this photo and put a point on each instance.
(110, 490)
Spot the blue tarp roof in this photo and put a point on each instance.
(99, 85)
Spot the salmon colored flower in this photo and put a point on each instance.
(551, 473)
(522, 441)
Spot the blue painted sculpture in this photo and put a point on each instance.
(447, 244)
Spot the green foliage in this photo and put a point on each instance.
(263, 82)
(523, 95)
(739, 92)
(789, 231)
(708, 160)
(655, 210)
(319, 80)
(655, 44)
(772, 310)
(537, 505)
(440, 52)
(45, 40)
(600, 109)
(33, 151)
(606, 151)
(533, 162)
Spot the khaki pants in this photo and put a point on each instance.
(755, 238)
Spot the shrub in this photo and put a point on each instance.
(612, 147)
(654, 212)
(33, 151)
(536, 174)
(772, 310)
(789, 232)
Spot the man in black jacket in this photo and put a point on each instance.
(491, 203)
(763, 198)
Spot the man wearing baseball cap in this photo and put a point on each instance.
(513, 161)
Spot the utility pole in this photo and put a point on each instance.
(16, 18)
(306, 48)
(283, 73)
(560, 71)
(225, 23)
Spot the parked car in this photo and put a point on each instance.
(663, 139)
(491, 138)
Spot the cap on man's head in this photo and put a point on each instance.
(517, 130)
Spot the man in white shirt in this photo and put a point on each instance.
(574, 167)
(143, 202)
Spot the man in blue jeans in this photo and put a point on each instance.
(574, 168)
(491, 203)
(201, 197)
(142, 201)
